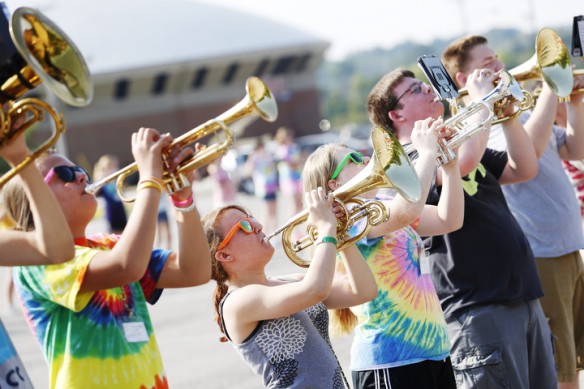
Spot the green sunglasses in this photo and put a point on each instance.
(354, 156)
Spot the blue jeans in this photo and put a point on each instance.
(502, 346)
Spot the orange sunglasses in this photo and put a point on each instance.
(244, 224)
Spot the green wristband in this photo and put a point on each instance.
(327, 239)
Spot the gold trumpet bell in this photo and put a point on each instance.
(52, 56)
(34, 51)
(551, 62)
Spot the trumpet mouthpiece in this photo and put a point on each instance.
(436, 99)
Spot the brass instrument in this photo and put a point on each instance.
(258, 101)
(551, 62)
(389, 167)
(36, 52)
(521, 98)
(507, 86)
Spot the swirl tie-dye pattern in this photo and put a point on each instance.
(404, 324)
(82, 334)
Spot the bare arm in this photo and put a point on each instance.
(539, 125)
(253, 303)
(128, 260)
(448, 215)
(191, 264)
(573, 149)
(51, 242)
(401, 211)
(356, 286)
(522, 159)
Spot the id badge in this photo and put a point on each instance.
(424, 262)
(135, 331)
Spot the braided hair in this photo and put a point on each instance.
(218, 273)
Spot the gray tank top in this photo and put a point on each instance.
(292, 351)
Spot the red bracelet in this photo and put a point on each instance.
(183, 203)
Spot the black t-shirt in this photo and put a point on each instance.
(487, 261)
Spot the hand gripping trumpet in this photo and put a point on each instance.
(258, 101)
(36, 51)
(464, 128)
(389, 167)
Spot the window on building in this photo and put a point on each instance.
(200, 76)
(159, 85)
(303, 63)
(230, 73)
(261, 69)
(122, 89)
(283, 65)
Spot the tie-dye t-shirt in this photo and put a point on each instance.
(100, 339)
(404, 324)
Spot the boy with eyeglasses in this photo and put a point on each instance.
(484, 273)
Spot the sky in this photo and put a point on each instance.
(363, 24)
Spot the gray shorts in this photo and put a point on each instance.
(502, 346)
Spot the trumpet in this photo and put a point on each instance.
(464, 130)
(37, 51)
(258, 101)
(389, 167)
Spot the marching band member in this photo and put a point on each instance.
(551, 222)
(385, 354)
(89, 314)
(50, 243)
(279, 325)
(484, 273)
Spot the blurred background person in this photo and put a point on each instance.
(224, 189)
(115, 211)
(290, 160)
(261, 165)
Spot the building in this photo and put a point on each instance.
(173, 65)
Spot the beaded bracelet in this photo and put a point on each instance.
(327, 239)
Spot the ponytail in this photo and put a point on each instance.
(343, 321)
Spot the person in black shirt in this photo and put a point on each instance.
(484, 273)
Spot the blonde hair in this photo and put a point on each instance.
(319, 166)
(16, 202)
(218, 273)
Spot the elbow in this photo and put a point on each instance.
(454, 225)
(371, 293)
(528, 173)
(202, 276)
(132, 271)
(60, 254)
(317, 293)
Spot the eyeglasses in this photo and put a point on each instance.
(66, 173)
(413, 89)
(354, 156)
(244, 224)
